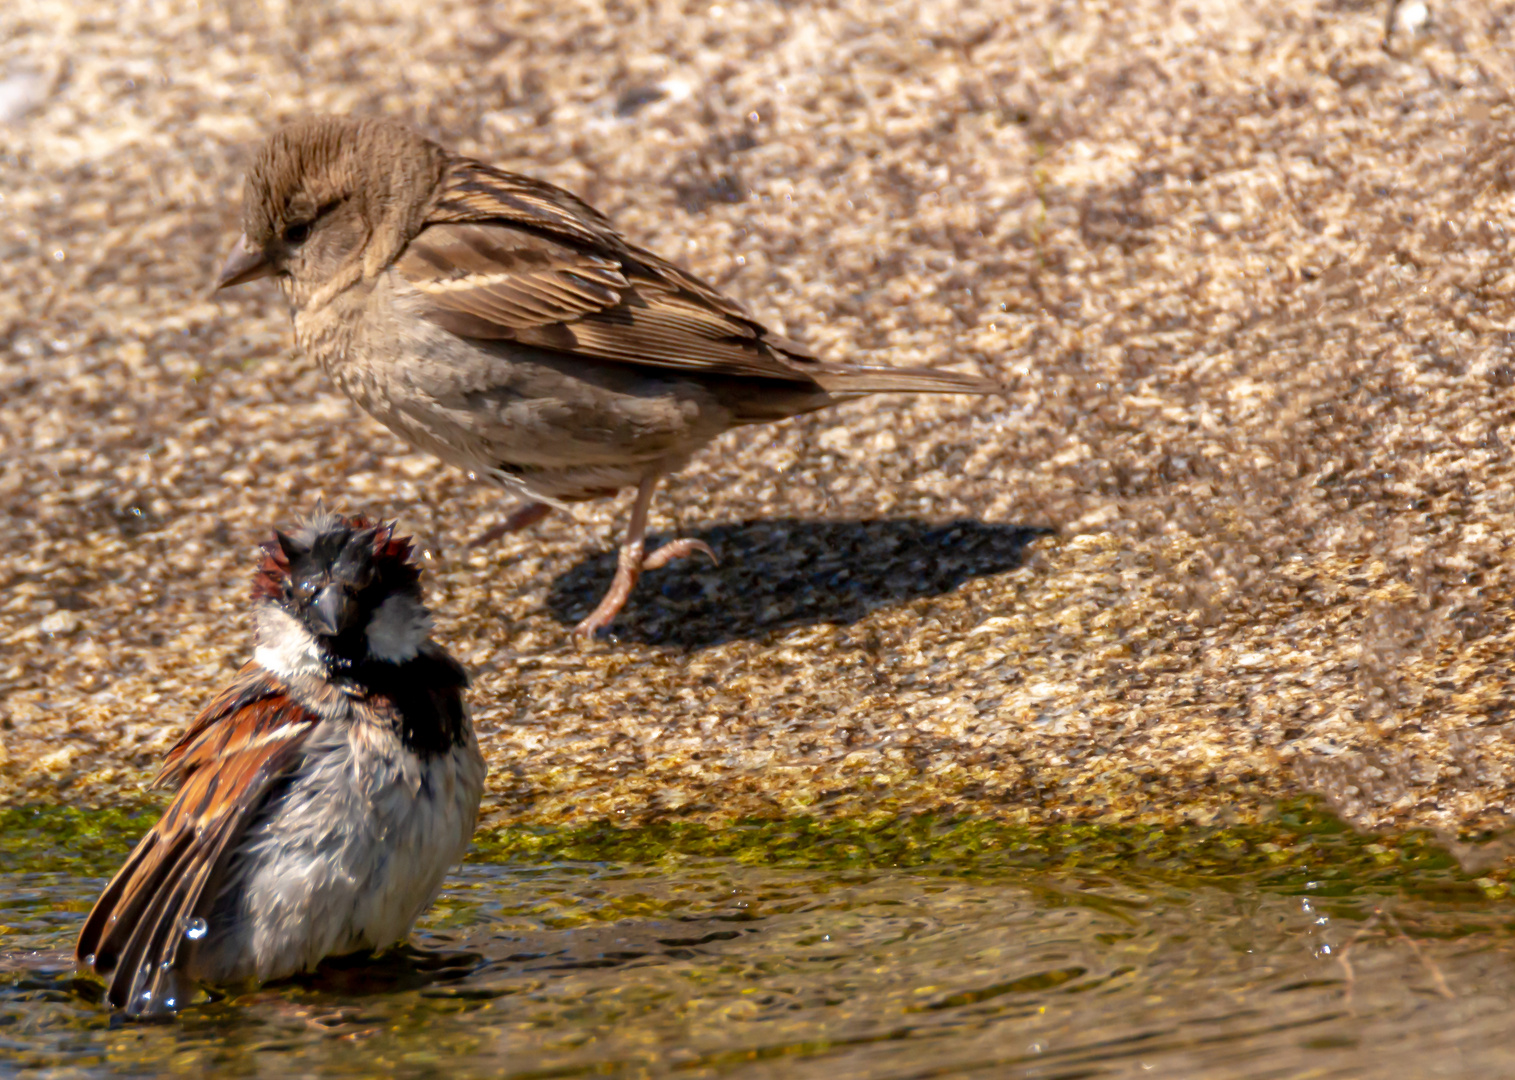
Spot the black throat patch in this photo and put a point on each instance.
(423, 698)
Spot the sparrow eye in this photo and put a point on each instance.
(296, 233)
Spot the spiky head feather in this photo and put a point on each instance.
(353, 550)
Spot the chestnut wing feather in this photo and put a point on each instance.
(512, 259)
(224, 766)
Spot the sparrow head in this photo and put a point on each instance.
(331, 200)
(336, 592)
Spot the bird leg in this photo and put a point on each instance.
(523, 516)
(632, 561)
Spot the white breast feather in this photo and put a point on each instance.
(285, 647)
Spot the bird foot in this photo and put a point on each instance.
(629, 568)
(522, 517)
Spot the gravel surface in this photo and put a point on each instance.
(1239, 529)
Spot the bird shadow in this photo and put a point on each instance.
(786, 572)
(491, 964)
(405, 967)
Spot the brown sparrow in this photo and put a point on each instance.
(322, 796)
(505, 326)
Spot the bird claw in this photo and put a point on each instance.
(592, 624)
(678, 549)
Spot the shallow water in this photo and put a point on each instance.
(696, 966)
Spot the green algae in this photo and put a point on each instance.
(1302, 847)
(72, 839)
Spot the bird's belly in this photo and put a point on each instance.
(345, 859)
(539, 458)
(548, 425)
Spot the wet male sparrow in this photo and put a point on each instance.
(503, 325)
(322, 796)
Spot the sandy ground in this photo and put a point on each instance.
(1239, 530)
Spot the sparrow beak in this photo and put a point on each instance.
(245, 263)
(332, 610)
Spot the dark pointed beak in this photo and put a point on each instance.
(332, 610)
(245, 263)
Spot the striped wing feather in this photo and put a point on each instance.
(224, 765)
(508, 258)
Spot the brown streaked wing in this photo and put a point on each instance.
(473, 191)
(135, 933)
(507, 258)
(509, 278)
(226, 725)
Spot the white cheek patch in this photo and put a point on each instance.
(285, 647)
(398, 629)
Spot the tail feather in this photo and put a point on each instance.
(846, 381)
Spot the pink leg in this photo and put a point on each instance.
(522, 517)
(631, 561)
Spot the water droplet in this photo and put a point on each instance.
(89, 961)
(147, 995)
(195, 929)
(170, 1003)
